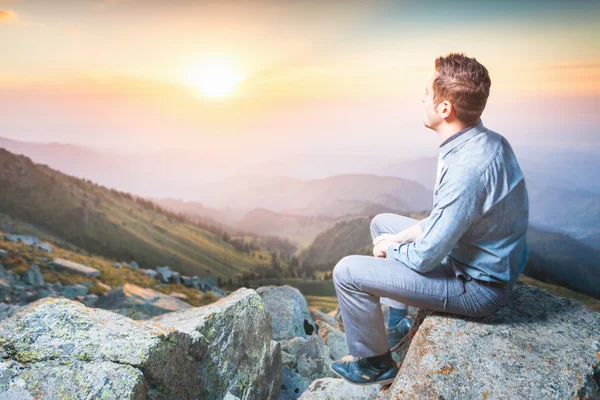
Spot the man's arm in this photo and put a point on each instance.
(459, 202)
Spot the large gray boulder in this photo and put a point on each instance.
(289, 311)
(139, 303)
(337, 389)
(58, 348)
(539, 346)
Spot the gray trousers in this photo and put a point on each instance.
(362, 283)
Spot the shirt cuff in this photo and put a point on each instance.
(392, 251)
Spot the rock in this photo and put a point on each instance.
(189, 354)
(8, 277)
(27, 296)
(76, 380)
(289, 311)
(178, 295)
(229, 396)
(334, 339)
(164, 273)
(44, 247)
(191, 281)
(117, 265)
(539, 346)
(176, 278)
(6, 310)
(25, 239)
(103, 286)
(149, 273)
(5, 289)
(74, 267)
(336, 389)
(139, 303)
(134, 265)
(292, 384)
(313, 359)
(318, 315)
(72, 291)
(89, 300)
(33, 276)
(3, 253)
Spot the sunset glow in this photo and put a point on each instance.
(215, 79)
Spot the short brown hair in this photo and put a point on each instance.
(465, 83)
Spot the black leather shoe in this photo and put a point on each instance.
(396, 334)
(360, 371)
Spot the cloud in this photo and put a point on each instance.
(8, 17)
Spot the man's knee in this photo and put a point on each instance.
(342, 270)
(375, 223)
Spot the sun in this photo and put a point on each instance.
(215, 79)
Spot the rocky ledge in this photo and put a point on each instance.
(61, 349)
(539, 346)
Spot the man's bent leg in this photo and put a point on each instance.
(360, 282)
(390, 223)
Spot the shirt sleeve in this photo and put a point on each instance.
(458, 203)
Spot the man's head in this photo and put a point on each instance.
(456, 93)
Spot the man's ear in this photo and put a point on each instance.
(445, 109)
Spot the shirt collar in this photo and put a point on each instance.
(460, 137)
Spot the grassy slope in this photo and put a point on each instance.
(21, 257)
(105, 222)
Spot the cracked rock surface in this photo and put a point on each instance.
(58, 348)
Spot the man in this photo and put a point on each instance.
(461, 259)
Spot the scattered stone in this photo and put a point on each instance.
(44, 247)
(89, 299)
(117, 265)
(334, 339)
(191, 281)
(139, 303)
(336, 389)
(292, 384)
(72, 291)
(3, 253)
(6, 310)
(25, 239)
(33, 276)
(319, 315)
(288, 310)
(176, 277)
(149, 273)
(542, 346)
(313, 359)
(164, 273)
(134, 265)
(5, 289)
(75, 267)
(178, 295)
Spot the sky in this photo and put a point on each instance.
(301, 75)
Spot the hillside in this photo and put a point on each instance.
(114, 224)
(296, 228)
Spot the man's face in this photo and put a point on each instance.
(431, 118)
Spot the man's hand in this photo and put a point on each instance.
(380, 248)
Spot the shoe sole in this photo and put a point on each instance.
(384, 382)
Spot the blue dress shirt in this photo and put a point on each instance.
(480, 211)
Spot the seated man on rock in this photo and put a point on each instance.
(461, 259)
